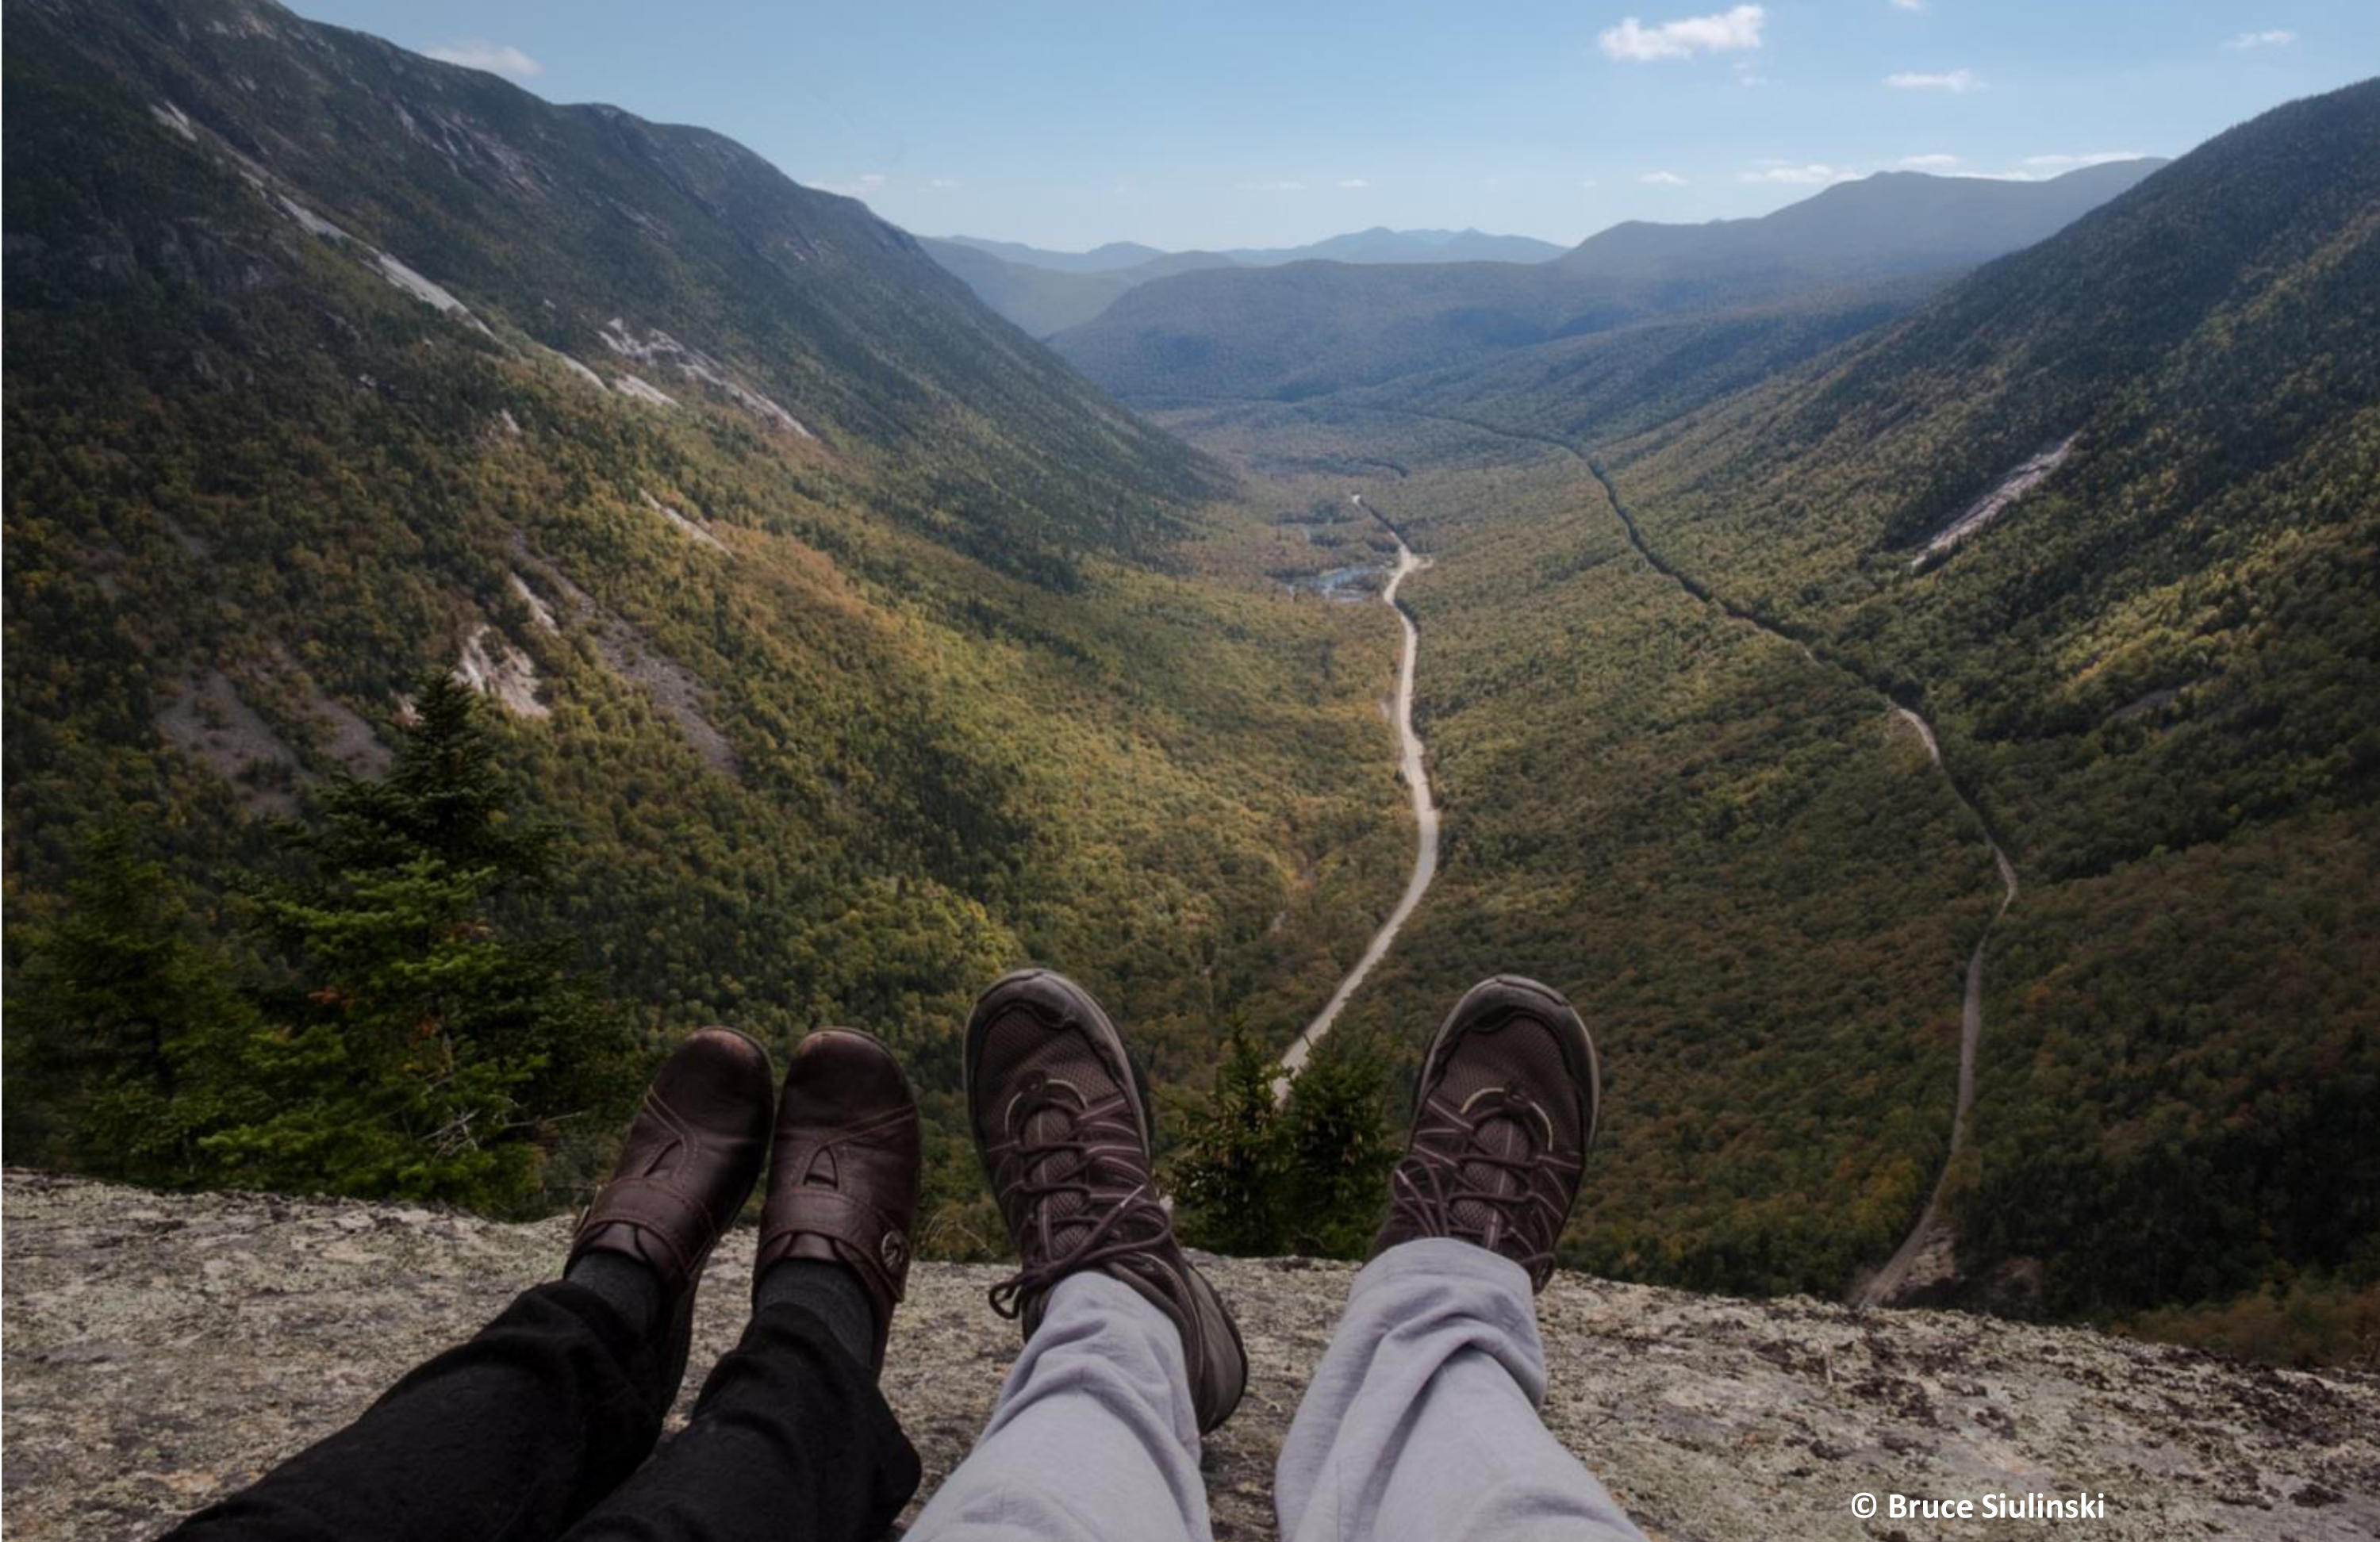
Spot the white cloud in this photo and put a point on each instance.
(2052, 164)
(2273, 38)
(862, 186)
(1353, 184)
(496, 58)
(1908, 4)
(1928, 163)
(1812, 175)
(1958, 81)
(1747, 75)
(941, 184)
(1662, 179)
(1725, 33)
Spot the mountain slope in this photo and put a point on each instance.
(2155, 667)
(1629, 378)
(859, 646)
(506, 204)
(2149, 659)
(1307, 329)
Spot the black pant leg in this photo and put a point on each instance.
(791, 1441)
(511, 1435)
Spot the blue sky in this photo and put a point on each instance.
(1067, 124)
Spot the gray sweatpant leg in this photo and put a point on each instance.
(1094, 1438)
(1421, 1423)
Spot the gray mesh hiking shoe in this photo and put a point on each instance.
(1503, 1115)
(1063, 1132)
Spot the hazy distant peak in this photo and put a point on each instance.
(1377, 244)
(1893, 221)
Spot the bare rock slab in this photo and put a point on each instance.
(160, 1350)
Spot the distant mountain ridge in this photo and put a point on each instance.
(1105, 259)
(1892, 223)
(1380, 244)
(1377, 244)
(1044, 299)
(1045, 291)
(1308, 328)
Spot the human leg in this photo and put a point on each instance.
(516, 1432)
(791, 1439)
(1421, 1422)
(1095, 1437)
(1129, 1355)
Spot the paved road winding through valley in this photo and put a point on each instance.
(1417, 779)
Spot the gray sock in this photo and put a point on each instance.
(830, 1292)
(630, 1288)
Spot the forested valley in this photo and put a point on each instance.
(1675, 778)
(491, 587)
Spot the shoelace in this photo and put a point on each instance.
(1429, 1184)
(1131, 1224)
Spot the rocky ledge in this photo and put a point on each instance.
(160, 1350)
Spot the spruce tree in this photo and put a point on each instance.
(1229, 1176)
(1337, 1150)
(1258, 1174)
(119, 1021)
(422, 1048)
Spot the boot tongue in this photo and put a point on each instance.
(1506, 1125)
(1052, 1125)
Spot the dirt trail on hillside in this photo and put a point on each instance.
(1412, 768)
(1887, 1280)
(1881, 1287)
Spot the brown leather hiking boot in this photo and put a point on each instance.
(844, 1167)
(1503, 1115)
(1063, 1132)
(692, 1156)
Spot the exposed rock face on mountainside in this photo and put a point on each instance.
(163, 1349)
